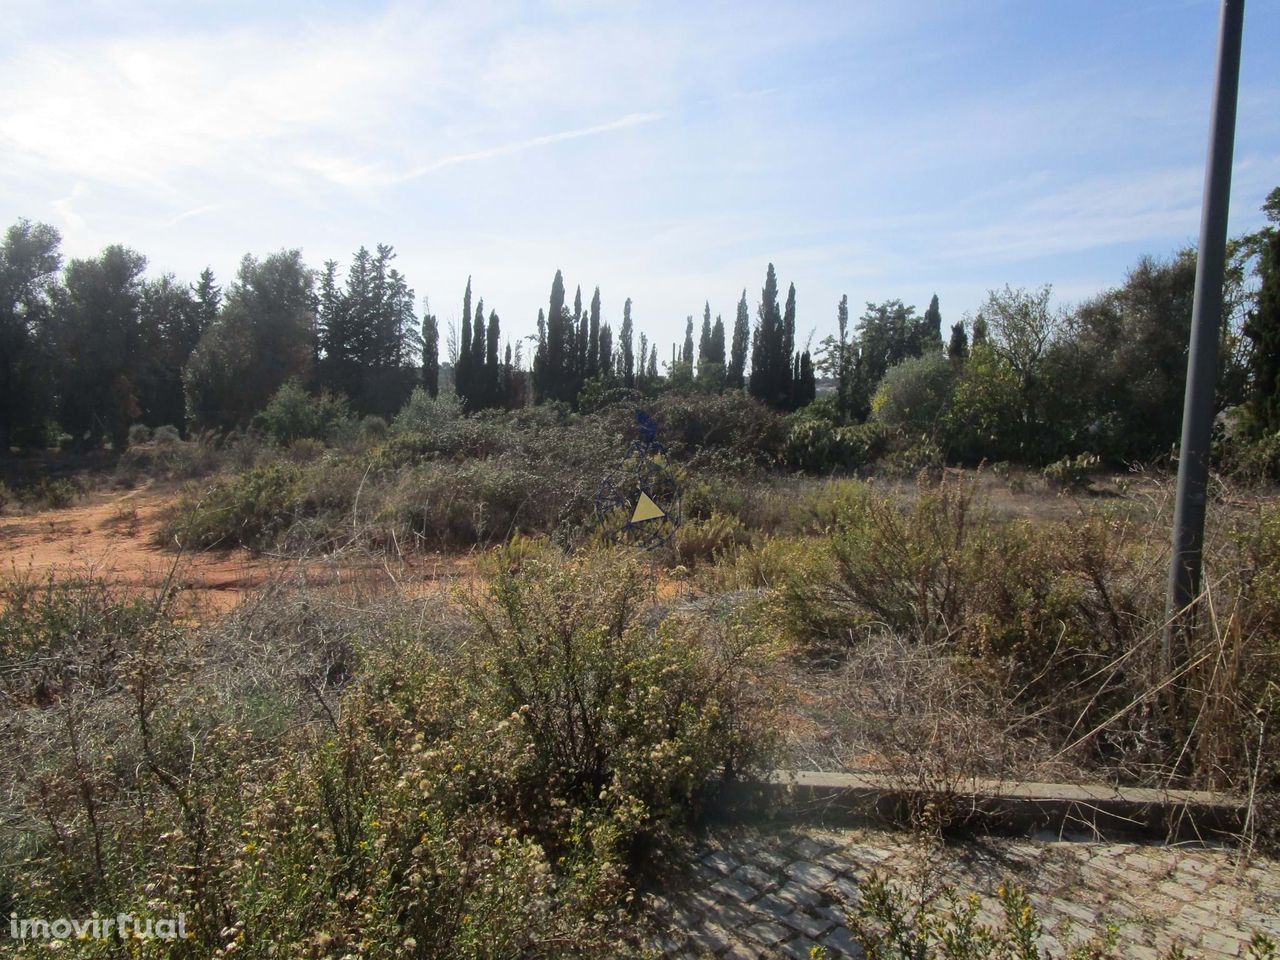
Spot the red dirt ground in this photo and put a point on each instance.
(114, 537)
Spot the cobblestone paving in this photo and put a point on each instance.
(778, 893)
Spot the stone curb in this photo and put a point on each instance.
(988, 806)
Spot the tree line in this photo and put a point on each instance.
(93, 346)
(90, 347)
(1024, 382)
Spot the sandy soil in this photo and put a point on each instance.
(114, 537)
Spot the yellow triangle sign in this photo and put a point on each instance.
(646, 509)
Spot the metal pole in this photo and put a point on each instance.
(1202, 360)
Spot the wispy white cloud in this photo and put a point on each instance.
(506, 149)
(189, 214)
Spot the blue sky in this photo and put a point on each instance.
(664, 151)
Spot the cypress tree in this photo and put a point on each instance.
(715, 354)
(557, 342)
(628, 358)
(462, 366)
(807, 390)
(735, 376)
(770, 366)
(704, 339)
(492, 368)
(641, 373)
(958, 348)
(580, 324)
(1263, 330)
(786, 386)
(606, 351)
(508, 398)
(540, 361)
(477, 376)
(431, 354)
(686, 355)
(593, 336)
(979, 332)
(845, 355)
(557, 338)
(931, 326)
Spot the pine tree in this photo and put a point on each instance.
(100, 346)
(208, 299)
(628, 358)
(264, 336)
(170, 331)
(431, 354)
(735, 376)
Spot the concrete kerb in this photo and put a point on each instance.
(987, 806)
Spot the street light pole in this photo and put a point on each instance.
(1202, 359)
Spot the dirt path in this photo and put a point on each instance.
(114, 537)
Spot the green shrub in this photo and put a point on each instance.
(697, 541)
(49, 493)
(602, 715)
(304, 450)
(423, 413)
(57, 638)
(294, 414)
(912, 397)
(769, 562)
(139, 433)
(1071, 473)
(1050, 601)
(378, 780)
(598, 394)
(1250, 459)
(253, 509)
(373, 428)
(918, 458)
(165, 435)
(730, 421)
(820, 446)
